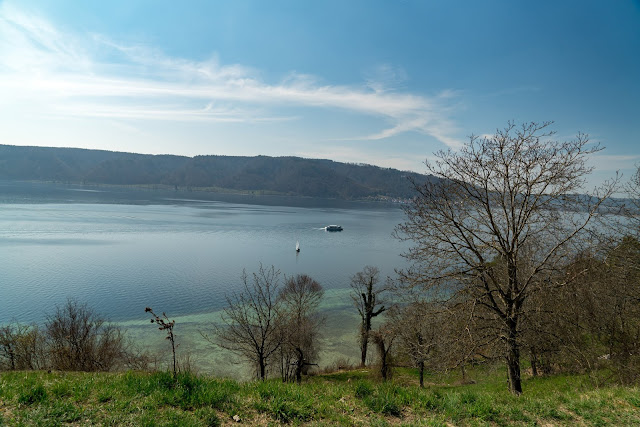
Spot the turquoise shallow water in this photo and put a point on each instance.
(120, 250)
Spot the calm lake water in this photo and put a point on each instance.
(120, 250)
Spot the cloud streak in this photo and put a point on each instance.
(59, 73)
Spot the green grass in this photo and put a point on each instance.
(343, 398)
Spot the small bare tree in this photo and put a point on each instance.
(418, 328)
(499, 218)
(300, 298)
(252, 320)
(164, 324)
(383, 338)
(365, 293)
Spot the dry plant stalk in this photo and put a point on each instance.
(164, 324)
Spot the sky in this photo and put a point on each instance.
(364, 81)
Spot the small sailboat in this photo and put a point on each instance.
(297, 246)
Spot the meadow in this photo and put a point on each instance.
(343, 397)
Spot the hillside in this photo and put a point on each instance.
(339, 398)
(293, 176)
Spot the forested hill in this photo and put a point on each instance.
(279, 175)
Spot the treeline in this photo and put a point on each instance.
(277, 175)
(588, 322)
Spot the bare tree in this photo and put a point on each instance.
(604, 323)
(21, 347)
(80, 340)
(496, 199)
(384, 338)
(252, 320)
(632, 189)
(365, 293)
(418, 328)
(300, 297)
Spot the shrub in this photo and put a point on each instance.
(21, 347)
(80, 340)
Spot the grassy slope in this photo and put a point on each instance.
(344, 398)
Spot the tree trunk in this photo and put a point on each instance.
(299, 366)
(513, 360)
(263, 369)
(384, 368)
(545, 363)
(513, 349)
(299, 374)
(364, 342)
(173, 351)
(363, 354)
(421, 372)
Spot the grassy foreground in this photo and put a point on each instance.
(342, 398)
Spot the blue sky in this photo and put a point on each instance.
(379, 82)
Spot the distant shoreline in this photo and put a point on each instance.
(213, 194)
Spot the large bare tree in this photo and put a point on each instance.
(497, 222)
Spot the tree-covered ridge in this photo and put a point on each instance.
(281, 175)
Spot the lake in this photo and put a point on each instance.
(122, 249)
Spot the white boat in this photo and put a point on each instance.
(333, 228)
(297, 246)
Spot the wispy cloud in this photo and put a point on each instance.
(386, 77)
(614, 162)
(54, 72)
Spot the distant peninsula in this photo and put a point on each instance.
(292, 176)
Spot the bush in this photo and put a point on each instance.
(80, 340)
(21, 347)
